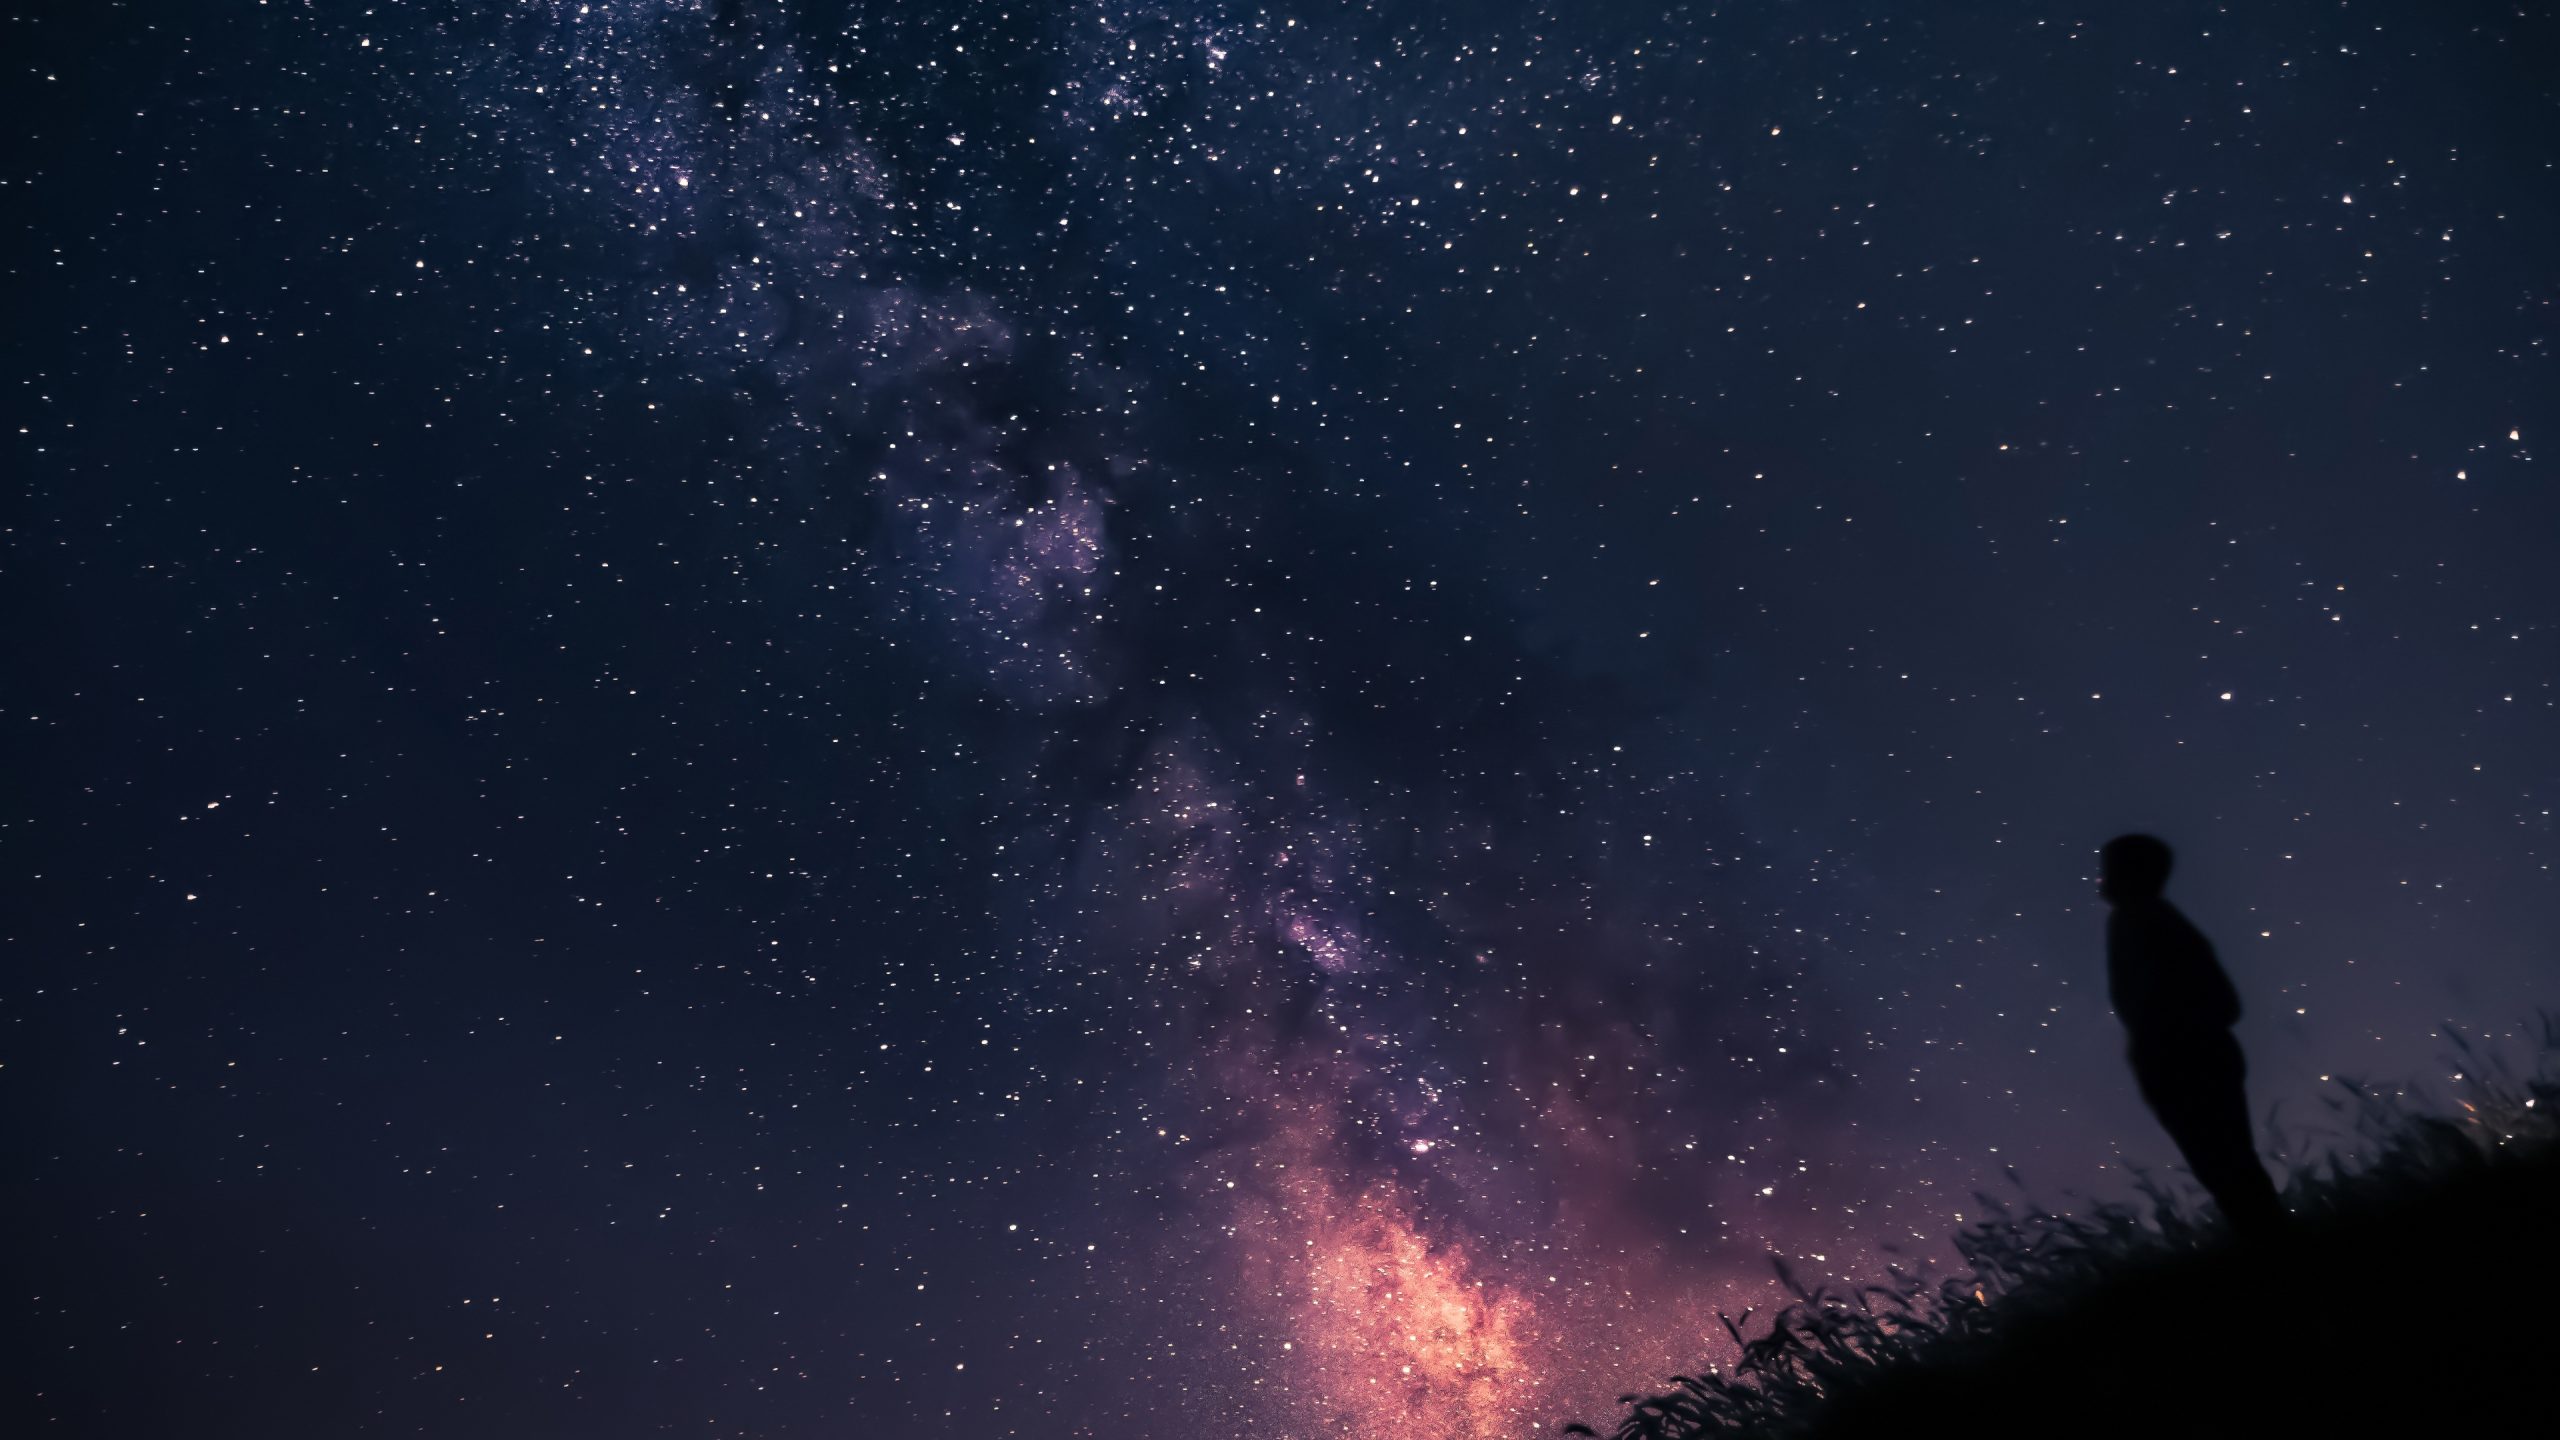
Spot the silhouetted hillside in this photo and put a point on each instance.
(2413, 1295)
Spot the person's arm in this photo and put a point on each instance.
(2205, 993)
(2226, 996)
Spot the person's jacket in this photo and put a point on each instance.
(2162, 976)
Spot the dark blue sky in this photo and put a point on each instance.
(755, 718)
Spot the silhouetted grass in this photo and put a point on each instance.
(2412, 1294)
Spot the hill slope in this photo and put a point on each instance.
(2413, 1295)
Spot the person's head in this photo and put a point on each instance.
(2132, 867)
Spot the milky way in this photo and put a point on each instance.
(1398, 1036)
(1195, 720)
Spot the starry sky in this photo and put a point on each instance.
(743, 718)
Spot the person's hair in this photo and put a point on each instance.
(2135, 864)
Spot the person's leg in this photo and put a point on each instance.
(2225, 1157)
(2203, 1104)
(2241, 1185)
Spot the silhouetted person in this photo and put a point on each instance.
(2178, 1009)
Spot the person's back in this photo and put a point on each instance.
(2178, 1008)
(2162, 975)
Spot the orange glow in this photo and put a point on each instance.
(1403, 1340)
(1390, 1332)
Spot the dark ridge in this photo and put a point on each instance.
(2410, 1294)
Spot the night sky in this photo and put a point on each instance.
(735, 718)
